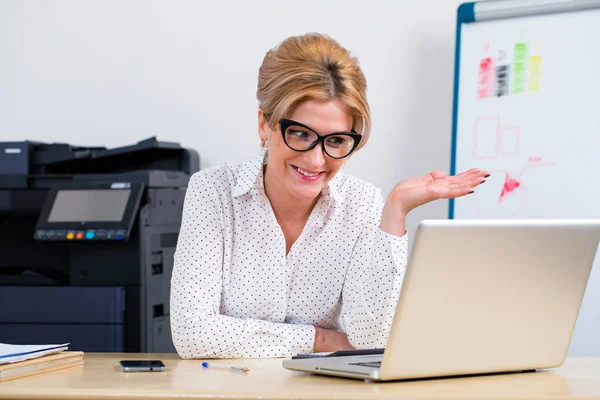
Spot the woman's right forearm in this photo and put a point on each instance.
(201, 334)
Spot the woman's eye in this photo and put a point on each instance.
(299, 134)
(335, 141)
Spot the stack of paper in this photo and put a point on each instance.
(10, 353)
(17, 361)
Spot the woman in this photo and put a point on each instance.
(286, 254)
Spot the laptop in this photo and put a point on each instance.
(478, 297)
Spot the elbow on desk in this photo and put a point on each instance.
(186, 344)
(186, 334)
(189, 343)
(179, 342)
(185, 341)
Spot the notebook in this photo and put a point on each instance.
(17, 352)
(39, 365)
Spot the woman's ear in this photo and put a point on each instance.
(263, 127)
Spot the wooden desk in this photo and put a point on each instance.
(101, 377)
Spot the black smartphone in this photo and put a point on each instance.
(142, 365)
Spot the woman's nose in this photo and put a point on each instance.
(315, 157)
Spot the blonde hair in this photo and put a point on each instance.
(312, 67)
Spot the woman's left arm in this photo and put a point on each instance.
(376, 271)
(373, 281)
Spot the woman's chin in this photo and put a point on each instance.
(307, 193)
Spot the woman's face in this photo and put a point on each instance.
(304, 174)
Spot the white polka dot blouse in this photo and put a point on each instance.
(235, 293)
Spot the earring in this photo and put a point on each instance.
(263, 143)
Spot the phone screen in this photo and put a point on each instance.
(142, 365)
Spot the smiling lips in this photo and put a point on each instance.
(306, 174)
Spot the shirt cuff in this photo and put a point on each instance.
(295, 338)
(305, 335)
(397, 244)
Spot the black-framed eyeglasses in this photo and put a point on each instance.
(300, 137)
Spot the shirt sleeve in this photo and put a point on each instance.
(373, 281)
(197, 327)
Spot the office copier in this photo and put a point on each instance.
(87, 237)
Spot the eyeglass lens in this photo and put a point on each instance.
(300, 138)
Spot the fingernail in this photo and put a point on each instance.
(482, 182)
(472, 191)
(487, 176)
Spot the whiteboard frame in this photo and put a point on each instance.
(487, 10)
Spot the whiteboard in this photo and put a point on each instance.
(527, 108)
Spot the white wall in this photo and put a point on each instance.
(112, 72)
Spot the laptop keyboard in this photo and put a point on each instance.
(374, 364)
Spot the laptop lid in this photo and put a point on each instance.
(489, 296)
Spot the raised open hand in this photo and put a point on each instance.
(414, 192)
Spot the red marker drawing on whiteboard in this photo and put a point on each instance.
(509, 186)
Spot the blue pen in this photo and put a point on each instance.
(224, 366)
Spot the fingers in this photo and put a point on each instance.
(437, 185)
(474, 172)
(468, 185)
(474, 175)
(468, 180)
(455, 186)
